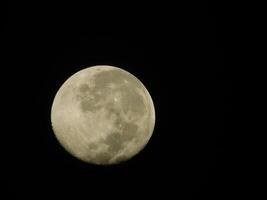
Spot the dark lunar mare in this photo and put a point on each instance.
(131, 101)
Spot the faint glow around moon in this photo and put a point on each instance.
(103, 115)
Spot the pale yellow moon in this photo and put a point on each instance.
(103, 115)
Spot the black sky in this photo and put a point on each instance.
(176, 50)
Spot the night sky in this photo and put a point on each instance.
(177, 51)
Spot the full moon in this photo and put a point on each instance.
(103, 115)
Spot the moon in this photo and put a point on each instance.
(103, 115)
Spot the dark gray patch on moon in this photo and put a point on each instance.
(131, 100)
(87, 105)
(111, 110)
(92, 146)
(84, 88)
(116, 140)
(103, 157)
(128, 132)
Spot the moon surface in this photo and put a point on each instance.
(103, 115)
